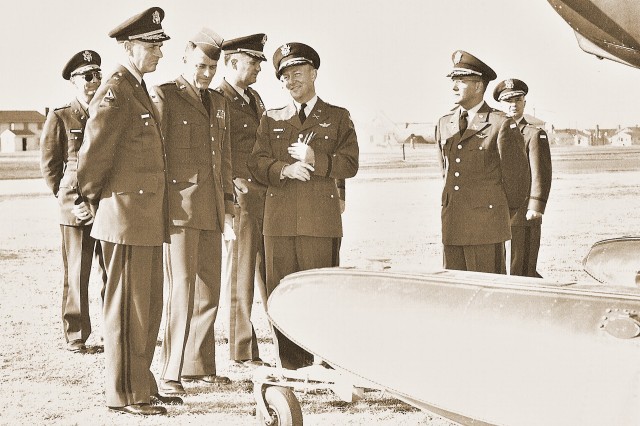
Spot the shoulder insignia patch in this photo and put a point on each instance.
(109, 96)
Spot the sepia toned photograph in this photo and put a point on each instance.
(420, 212)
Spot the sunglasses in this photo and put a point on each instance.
(90, 75)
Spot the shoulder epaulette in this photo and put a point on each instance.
(62, 107)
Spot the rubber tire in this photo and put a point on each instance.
(283, 407)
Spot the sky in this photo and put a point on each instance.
(377, 56)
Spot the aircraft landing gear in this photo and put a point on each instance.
(281, 405)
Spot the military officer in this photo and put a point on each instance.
(61, 138)
(485, 170)
(301, 149)
(245, 256)
(527, 221)
(195, 122)
(121, 173)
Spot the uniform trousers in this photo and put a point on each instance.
(479, 258)
(78, 250)
(284, 256)
(245, 260)
(193, 260)
(132, 315)
(525, 245)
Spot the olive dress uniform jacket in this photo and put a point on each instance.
(121, 167)
(195, 168)
(243, 127)
(293, 207)
(536, 145)
(61, 139)
(486, 175)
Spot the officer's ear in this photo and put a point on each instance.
(127, 46)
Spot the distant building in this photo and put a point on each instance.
(20, 130)
(626, 137)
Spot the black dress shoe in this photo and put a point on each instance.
(210, 379)
(140, 409)
(158, 399)
(171, 387)
(76, 346)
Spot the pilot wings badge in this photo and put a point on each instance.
(325, 125)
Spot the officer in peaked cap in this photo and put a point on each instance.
(252, 45)
(121, 174)
(294, 54)
(200, 211)
(145, 26)
(244, 263)
(526, 223)
(60, 141)
(81, 63)
(465, 64)
(485, 170)
(510, 88)
(302, 149)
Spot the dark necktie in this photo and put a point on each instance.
(204, 96)
(463, 121)
(144, 86)
(252, 101)
(301, 113)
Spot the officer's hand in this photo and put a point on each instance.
(81, 211)
(532, 214)
(302, 152)
(228, 233)
(298, 170)
(240, 185)
(343, 205)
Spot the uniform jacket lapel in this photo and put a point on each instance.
(187, 92)
(78, 112)
(315, 116)
(480, 122)
(139, 92)
(291, 112)
(237, 102)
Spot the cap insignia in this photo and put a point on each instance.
(457, 57)
(264, 40)
(285, 50)
(156, 17)
(86, 55)
(508, 84)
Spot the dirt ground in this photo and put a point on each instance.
(392, 220)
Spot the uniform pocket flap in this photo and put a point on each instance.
(488, 199)
(183, 175)
(139, 183)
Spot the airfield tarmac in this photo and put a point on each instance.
(391, 221)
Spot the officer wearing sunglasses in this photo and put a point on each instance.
(61, 138)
